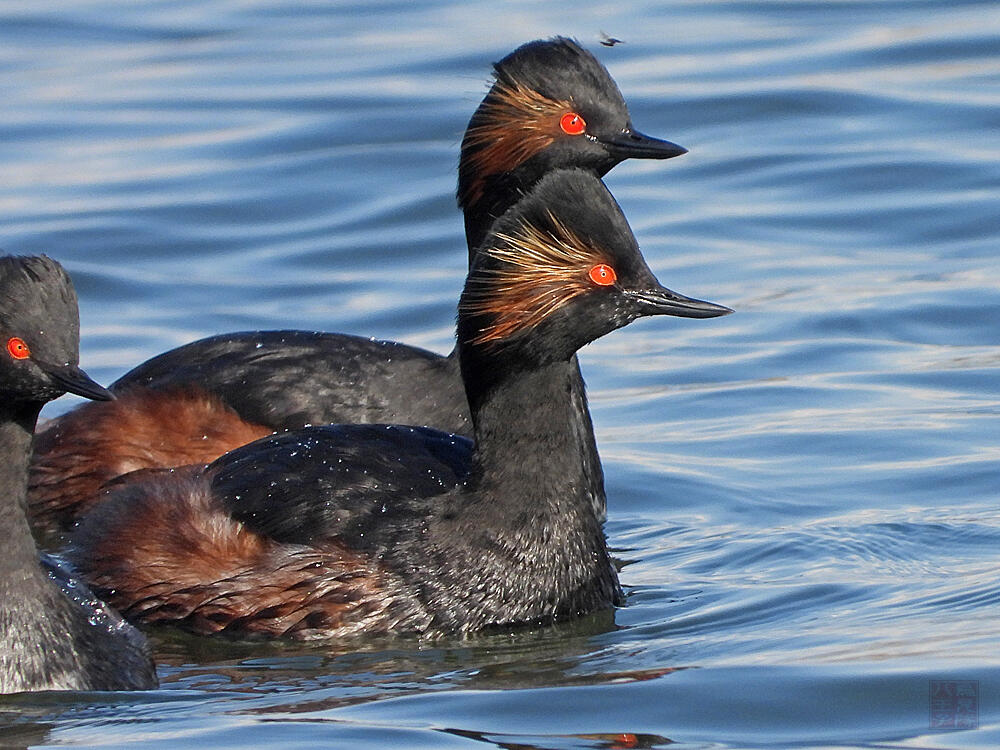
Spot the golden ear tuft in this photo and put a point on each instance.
(541, 271)
(516, 123)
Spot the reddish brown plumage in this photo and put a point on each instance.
(541, 270)
(164, 551)
(80, 451)
(516, 123)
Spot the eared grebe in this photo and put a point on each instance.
(52, 636)
(552, 105)
(340, 529)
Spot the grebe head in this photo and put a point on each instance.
(560, 269)
(40, 332)
(552, 105)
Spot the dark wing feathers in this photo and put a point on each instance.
(288, 379)
(349, 482)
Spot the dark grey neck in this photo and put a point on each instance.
(32, 606)
(479, 217)
(17, 426)
(500, 191)
(47, 641)
(524, 426)
(590, 461)
(521, 541)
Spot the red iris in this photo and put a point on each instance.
(603, 275)
(572, 124)
(17, 348)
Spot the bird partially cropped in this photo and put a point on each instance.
(54, 635)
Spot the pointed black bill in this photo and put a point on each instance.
(631, 144)
(75, 380)
(662, 301)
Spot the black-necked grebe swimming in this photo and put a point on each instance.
(52, 637)
(335, 530)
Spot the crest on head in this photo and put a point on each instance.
(532, 272)
(40, 330)
(565, 241)
(38, 305)
(546, 93)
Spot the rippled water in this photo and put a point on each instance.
(804, 495)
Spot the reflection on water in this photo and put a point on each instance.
(810, 481)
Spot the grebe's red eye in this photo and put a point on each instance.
(603, 275)
(17, 348)
(572, 124)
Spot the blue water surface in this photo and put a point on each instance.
(804, 495)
